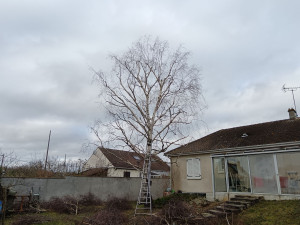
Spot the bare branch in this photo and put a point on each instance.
(151, 93)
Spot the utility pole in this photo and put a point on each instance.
(292, 89)
(65, 163)
(4, 194)
(47, 150)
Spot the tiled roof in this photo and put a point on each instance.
(125, 159)
(95, 172)
(256, 134)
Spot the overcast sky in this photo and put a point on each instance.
(246, 51)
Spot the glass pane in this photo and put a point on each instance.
(219, 175)
(289, 172)
(263, 175)
(238, 174)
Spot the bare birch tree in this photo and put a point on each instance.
(152, 92)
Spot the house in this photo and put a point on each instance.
(119, 163)
(259, 159)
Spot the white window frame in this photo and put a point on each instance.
(221, 167)
(193, 169)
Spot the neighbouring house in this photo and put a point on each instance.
(117, 163)
(259, 159)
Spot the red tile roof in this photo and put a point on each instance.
(125, 159)
(95, 172)
(256, 134)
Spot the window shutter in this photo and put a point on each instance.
(197, 168)
(189, 164)
(193, 168)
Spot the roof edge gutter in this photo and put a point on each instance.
(244, 148)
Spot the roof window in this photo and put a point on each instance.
(136, 157)
(244, 135)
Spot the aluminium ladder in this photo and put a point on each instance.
(144, 202)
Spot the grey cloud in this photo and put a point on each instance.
(246, 51)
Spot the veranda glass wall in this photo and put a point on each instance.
(238, 174)
(289, 172)
(219, 174)
(273, 173)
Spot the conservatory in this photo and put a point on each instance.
(256, 159)
(274, 172)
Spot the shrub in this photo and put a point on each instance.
(149, 220)
(118, 203)
(66, 204)
(89, 199)
(160, 202)
(69, 204)
(176, 210)
(107, 217)
(28, 220)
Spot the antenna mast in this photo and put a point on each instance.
(292, 89)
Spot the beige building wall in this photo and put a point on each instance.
(97, 160)
(179, 175)
(112, 172)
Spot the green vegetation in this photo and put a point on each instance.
(181, 207)
(186, 197)
(272, 212)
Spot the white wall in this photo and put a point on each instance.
(97, 160)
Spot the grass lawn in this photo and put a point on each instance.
(50, 218)
(263, 213)
(271, 213)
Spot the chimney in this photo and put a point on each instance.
(292, 113)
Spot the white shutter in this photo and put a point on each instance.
(189, 169)
(197, 168)
(193, 168)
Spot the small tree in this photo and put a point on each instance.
(151, 93)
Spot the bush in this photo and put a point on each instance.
(28, 220)
(160, 202)
(67, 204)
(149, 220)
(89, 200)
(107, 217)
(176, 210)
(118, 203)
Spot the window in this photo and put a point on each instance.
(289, 172)
(219, 175)
(126, 174)
(136, 157)
(263, 174)
(221, 165)
(193, 168)
(238, 174)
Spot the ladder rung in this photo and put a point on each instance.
(144, 197)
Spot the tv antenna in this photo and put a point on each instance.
(292, 89)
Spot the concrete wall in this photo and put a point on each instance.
(179, 175)
(103, 187)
